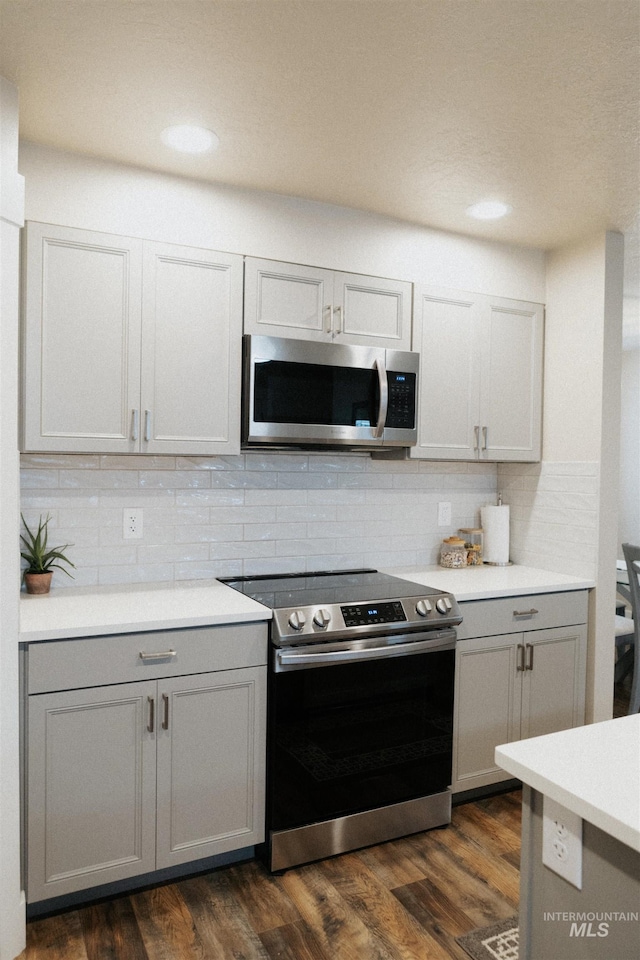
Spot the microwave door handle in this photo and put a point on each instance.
(384, 399)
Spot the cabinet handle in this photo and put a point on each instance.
(340, 323)
(152, 713)
(135, 418)
(165, 711)
(147, 425)
(525, 613)
(476, 445)
(484, 438)
(529, 665)
(520, 665)
(164, 655)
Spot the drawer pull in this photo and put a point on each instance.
(165, 655)
(525, 613)
(165, 711)
(521, 655)
(152, 712)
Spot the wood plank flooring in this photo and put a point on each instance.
(404, 900)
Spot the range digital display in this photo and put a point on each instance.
(356, 614)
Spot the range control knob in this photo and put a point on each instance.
(443, 605)
(423, 608)
(322, 617)
(297, 620)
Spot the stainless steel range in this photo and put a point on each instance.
(360, 710)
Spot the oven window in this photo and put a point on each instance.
(356, 736)
(286, 392)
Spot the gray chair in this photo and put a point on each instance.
(630, 658)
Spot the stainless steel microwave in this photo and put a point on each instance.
(305, 393)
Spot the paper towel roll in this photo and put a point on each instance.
(495, 526)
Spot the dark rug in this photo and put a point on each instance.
(497, 942)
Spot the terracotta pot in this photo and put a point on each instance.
(38, 583)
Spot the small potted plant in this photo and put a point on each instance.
(41, 558)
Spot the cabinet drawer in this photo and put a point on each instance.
(539, 611)
(122, 658)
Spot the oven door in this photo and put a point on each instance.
(360, 726)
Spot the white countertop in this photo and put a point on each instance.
(124, 608)
(92, 611)
(592, 770)
(487, 582)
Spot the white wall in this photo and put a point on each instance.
(629, 520)
(582, 417)
(12, 909)
(83, 192)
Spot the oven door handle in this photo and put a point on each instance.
(318, 658)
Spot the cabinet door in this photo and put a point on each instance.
(553, 685)
(511, 381)
(487, 707)
(211, 763)
(287, 300)
(372, 311)
(81, 345)
(91, 788)
(191, 351)
(445, 334)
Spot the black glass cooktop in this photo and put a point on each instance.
(325, 587)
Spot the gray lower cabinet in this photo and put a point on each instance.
(520, 672)
(128, 778)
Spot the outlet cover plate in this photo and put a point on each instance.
(562, 841)
(132, 523)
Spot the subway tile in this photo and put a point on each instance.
(132, 461)
(107, 479)
(210, 463)
(241, 549)
(208, 570)
(177, 480)
(274, 531)
(199, 533)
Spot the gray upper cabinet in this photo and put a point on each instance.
(480, 376)
(310, 303)
(129, 346)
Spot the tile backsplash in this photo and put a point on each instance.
(553, 514)
(253, 513)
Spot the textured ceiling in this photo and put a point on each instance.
(408, 109)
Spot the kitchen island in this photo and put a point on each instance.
(593, 772)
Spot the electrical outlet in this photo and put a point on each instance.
(562, 841)
(132, 523)
(444, 513)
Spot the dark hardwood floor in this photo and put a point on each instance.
(621, 697)
(404, 900)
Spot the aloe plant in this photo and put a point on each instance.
(40, 557)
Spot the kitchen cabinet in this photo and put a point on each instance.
(162, 769)
(520, 672)
(480, 377)
(129, 346)
(309, 303)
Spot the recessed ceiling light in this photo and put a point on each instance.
(489, 210)
(190, 139)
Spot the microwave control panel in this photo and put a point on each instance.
(401, 412)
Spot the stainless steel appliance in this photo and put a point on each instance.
(304, 393)
(360, 710)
